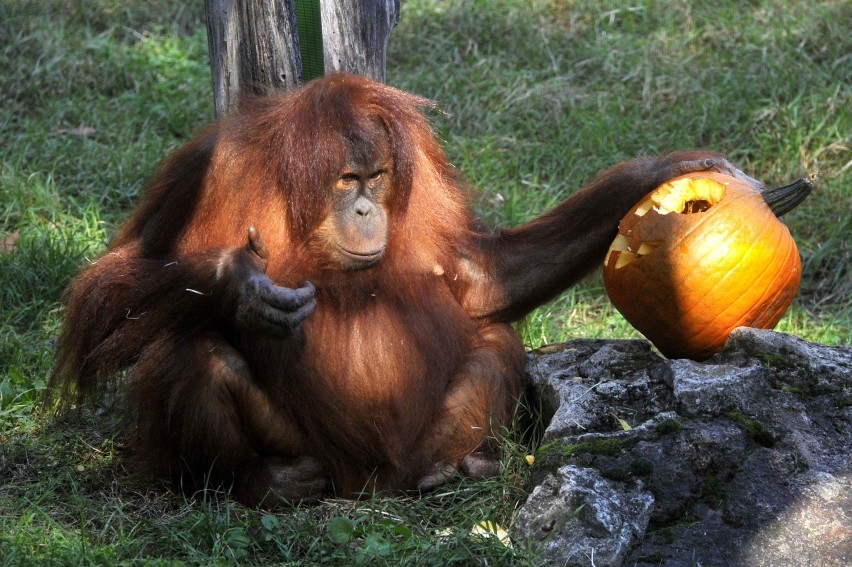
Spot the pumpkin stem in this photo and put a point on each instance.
(784, 199)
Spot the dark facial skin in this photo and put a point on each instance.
(355, 233)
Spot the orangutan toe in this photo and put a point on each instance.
(275, 481)
(480, 465)
(442, 473)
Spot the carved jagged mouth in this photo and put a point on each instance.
(362, 259)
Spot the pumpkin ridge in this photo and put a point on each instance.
(778, 290)
(698, 334)
(709, 326)
(756, 238)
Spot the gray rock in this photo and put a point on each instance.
(744, 459)
(713, 389)
(579, 518)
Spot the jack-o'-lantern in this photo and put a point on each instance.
(701, 255)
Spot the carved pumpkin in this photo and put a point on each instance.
(699, 256)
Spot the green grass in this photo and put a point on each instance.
(536, 97)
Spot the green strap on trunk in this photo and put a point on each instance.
(310, 38)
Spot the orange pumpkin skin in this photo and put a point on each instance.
(685, 280)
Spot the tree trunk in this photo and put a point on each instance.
(254, 46)
(355, 35)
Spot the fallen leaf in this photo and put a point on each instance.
(624, 425)
(8, 243)
(492, 529)
(550, 349)
(82, 130)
